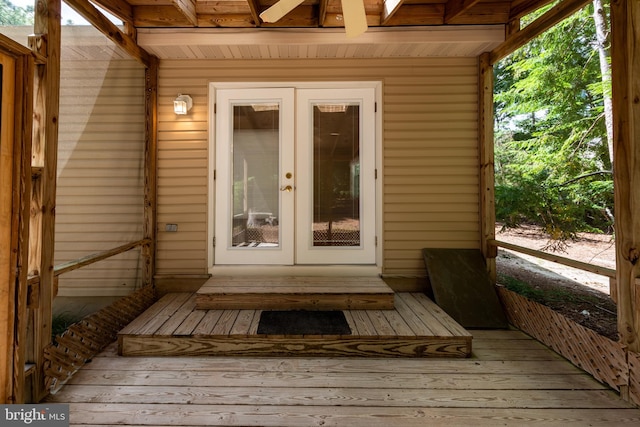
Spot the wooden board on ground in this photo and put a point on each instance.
(461, 286)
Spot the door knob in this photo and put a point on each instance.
(286, 188)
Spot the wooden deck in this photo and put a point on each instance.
(295, 293)
(511, 380)
(175, 327)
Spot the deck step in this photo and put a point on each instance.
(295, 293)
(417, 327)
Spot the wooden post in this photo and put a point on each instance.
(7, 230)
(15, 161)
(47, 26)
(625, 67)
(485, 142)
(150, 170)
(24, 124)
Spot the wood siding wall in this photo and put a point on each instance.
(100, 174)
(430, 164)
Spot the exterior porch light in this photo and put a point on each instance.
(182, 104)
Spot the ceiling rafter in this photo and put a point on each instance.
(389, 8)
(188, 9)
(322, 12)
(108, 28)
(254, 6)
(119, 8)
(518, 39)
(520, 8)
(455, 8)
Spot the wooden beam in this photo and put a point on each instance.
(150, 172)
(47, 23)
(543, 23)
(254, 6)
(486, 155)
(11, 47)
(625, 67)
(389, 8)
(99, 256)
(188, 9)
(23, 126)
(8, 232)
(322, 12)
(106, 27)
(455, 8)
(520, 8)
(595, 269)
(119, 8)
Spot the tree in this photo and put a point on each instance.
(600, 20)
(553, 166)
(14, 15)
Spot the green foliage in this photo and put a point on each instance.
(552, 158)
(14, 15)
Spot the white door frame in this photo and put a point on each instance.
(283, 253)
(214, 86)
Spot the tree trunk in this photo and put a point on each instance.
(602, 37)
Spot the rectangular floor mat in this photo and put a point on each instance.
(303, 322)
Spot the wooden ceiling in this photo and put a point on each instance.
(316, 13)
(163, 28)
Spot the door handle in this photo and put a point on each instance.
(286, 188)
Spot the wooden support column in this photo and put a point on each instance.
(150, 170)
(22, 190)
(487, 172)
(46, 43)
(625, 67)
(7, 231)
(15, 171)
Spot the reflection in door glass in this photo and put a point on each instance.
(336, 175)
(255, 148)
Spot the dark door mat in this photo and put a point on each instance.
(462, 287)
(303, 322)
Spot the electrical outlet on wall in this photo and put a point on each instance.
(171, 227)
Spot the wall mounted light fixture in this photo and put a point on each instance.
(182, 104)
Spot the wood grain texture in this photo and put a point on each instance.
(521, 383)
(605, 359)
(625, 65)
(294, 293)
(175, 326)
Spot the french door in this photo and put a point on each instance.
(295, 176)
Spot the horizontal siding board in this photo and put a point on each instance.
(437, 218)
(430, 155)
(181, 245)
(433, 162)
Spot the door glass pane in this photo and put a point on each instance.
(336, 175)
(256, 203)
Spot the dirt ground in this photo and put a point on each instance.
(579, 295)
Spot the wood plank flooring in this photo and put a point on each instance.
(295, 293)
(174, 326)
(511, 380)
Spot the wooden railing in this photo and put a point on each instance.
(596, 269)
(88, 260)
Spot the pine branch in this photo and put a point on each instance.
(587, 175)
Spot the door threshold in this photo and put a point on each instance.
(295, 270)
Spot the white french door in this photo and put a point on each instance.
(295, 176)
